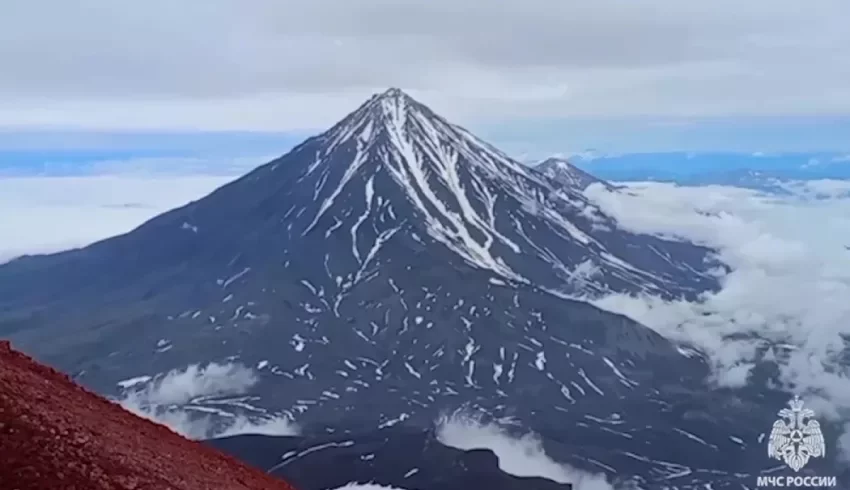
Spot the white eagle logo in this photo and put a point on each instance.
(796, 436)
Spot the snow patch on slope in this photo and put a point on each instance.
(471, 198)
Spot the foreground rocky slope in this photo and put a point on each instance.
(55, 435)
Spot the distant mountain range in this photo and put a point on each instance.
(722, 168)
(388, 271)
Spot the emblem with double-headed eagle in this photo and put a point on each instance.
(796, 436)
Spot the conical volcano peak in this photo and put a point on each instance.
(393, 129)
(394, 93)
(391, 99)
(392, 115)
(395, 103)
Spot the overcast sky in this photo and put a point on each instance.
(282, 65)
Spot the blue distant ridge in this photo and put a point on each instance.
(684, 167)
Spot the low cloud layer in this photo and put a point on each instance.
(164, 398)
(47, 214)
(181, 387)
(785, 299)
(522, 457)
(518, 456)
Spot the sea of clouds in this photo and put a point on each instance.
(789, 287)
(787, 291)
(47, 214)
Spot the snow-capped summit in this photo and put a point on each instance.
(389, 270)
(561, 170)
(407, 171)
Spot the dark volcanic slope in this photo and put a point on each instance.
(56, 435)
(392, 190)
(395, 457)
(385, 271)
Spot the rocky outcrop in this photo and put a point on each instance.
(55, 435)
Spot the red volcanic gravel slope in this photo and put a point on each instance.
(55, 435)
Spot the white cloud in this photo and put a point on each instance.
(162, 398)
(226, 64)
(788, 287)
(273, 426)
(47, 214)
(819, 189)
(844, 443)
(180, 387)
(522, 457)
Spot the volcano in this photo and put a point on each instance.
(563, 171)
(389, 271)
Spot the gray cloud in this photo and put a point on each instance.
(265, 63)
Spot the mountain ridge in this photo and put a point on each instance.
(466, 219)
(386, 271)
(563, 171)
